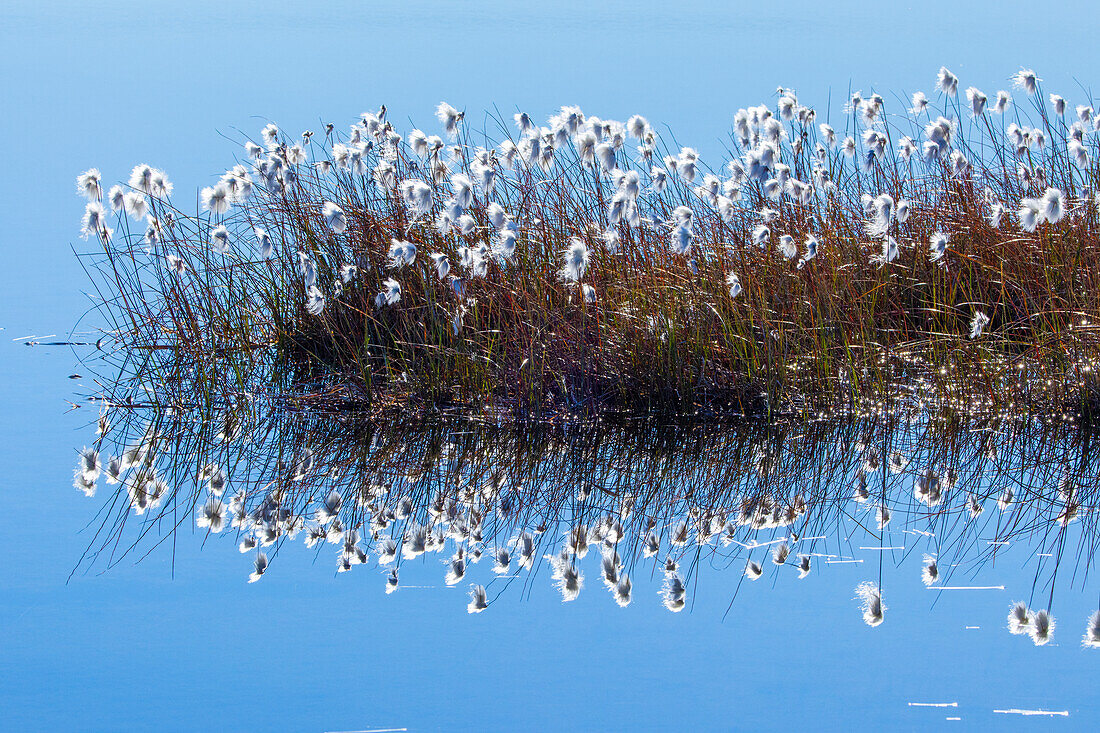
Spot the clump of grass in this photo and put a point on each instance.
(946, 254)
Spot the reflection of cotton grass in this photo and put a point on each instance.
(259, 567)
(479, 599)
(1041, 628)
(753, 570)
(673, 593)
(870, 598)
(1092, 631)
(570, 583)
(930, 573)
(1019, 618)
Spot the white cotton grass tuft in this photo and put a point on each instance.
(760, 235)
(1041, 629)
(141, 178)
(733, 280)
(94, 222)
(347, 274)
(978, 324)
(937, 246)
(1027, 80)
(89, 184)
(389, 295)
(787, 247)
(216, 199)
(417, 196)
(219, 239)
(401, 253)
(177, 265)
(803, 566)
(1058, 102)
(465, 224)
(882, 210)
(463, 190)
(1029, 214)
(810, 246)
(263, 239)
(479, 599)
(505, 246)
(889, 253)
(116, 198)
(1078, 152)
(330, 507)
(780, 553)
(387, 550)
(637, 126)
(1091, 639)
(449, 117)
(977, 100)
(681, 239)
(919, 103)
(135, 205)
(870, 597)
(574, 261)
(1052, 205)
(947, 82)
(930, 573)
(216, 480)
(315, 300)
(442, 264)
(334, 217)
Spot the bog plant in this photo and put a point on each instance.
(945, 253)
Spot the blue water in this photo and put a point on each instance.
(181, 642)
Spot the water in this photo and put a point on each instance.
(181, 641)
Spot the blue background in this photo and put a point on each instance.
(114, 84)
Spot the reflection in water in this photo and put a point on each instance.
(502, 504)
